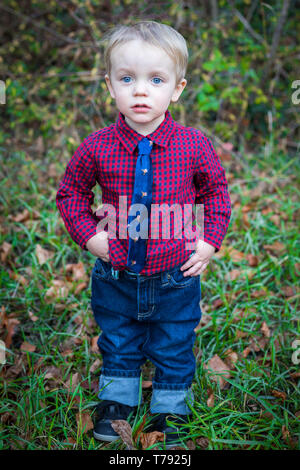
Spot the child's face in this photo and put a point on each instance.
(143, 74)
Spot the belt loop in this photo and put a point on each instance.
(114, 273)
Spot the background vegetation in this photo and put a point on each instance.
(244, 58)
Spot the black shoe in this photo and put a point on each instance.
(168, 424)
(109, 410)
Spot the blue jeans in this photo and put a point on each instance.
(146, 317)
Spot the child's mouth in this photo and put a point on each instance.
(140, 108)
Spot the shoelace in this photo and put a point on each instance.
(113, 410)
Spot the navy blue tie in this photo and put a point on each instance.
(138, 223)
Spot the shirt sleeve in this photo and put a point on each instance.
(74, 197)
(212, 191)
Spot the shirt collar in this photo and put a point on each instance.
(130, 138)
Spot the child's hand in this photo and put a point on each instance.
(98, 245)
(199, 261)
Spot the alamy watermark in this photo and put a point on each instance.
(296, 94)
(2, 352)
(2, 92)
(138, 228)
(296, 354)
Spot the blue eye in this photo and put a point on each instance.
(126, 80)
(157, 78)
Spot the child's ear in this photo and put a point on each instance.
(178, 90)
(108, 83)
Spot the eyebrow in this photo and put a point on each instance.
(124, 69)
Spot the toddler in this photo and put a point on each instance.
(146, 279)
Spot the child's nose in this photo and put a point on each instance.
(140, 87)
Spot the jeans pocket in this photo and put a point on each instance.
(177, 279)
(102, 269)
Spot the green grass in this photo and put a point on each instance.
(39, 413)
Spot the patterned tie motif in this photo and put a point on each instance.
(142, 194)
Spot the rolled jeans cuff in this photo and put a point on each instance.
(171, 401)
(121, 389)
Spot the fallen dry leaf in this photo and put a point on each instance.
(42, 254)
(80, 287)
(276, 219)
(84, 422)
(205, 319)
(58, 289)
(295, 375)
(236, 273)
(276, 247)
(252, 260)
(21, 217)
(5, 250)
(32, 316)
(25, 346)
(147, 439)
(53, 372)
(10, 324)
(7, 418)
(279, 394)
(190, 444)
(231, 358)
(245, 219)
(94, 344)
(246, 351)
(20, 365)
(96, 364)
(70, 440)
(202, 442)
(217, 303)
(265, 330)
(239, 315)
(123, 428)
(78, 320)
(18, 277)
(241, 334)
(235, 255)
(267, 210)
(256, 294)
(78, 271)
(217, 365)
(266, 414)
(285, 433)
(258, 343)
(72, 382)
(211, 400)
(288, 291)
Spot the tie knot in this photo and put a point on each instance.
(145, 146)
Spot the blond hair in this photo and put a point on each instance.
(157, 34)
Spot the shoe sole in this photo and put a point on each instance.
(105, 437)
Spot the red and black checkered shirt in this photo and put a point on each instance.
(186, 171)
